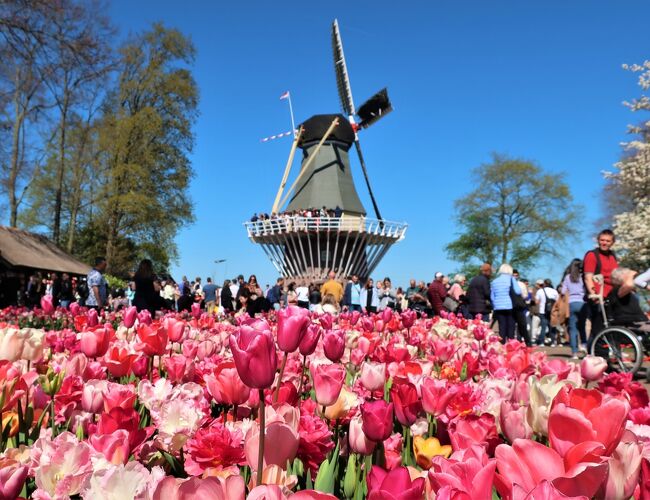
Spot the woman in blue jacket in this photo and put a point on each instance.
(502, 303)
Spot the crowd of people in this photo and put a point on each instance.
(323, 212)
(538, 313)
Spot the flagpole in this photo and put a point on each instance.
(293, 125)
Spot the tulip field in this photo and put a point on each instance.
(301, 406)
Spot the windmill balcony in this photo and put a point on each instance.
(360, 224)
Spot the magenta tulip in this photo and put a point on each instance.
(310, 340)
(292, 326)
(326, 321)
(334, 345)
(396, 484)
(130, 316)
(93, 319)
(387, 315)
(377, 417)
(354, 317)
(144, 317)
(408, 318)
(12, 479)
(253, 350)
(328, 380)
(47, 304)
(74, 308)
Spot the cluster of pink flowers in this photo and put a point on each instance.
(296, 405)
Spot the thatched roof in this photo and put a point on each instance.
(24, 249)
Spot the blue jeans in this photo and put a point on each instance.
(577, 319)
(544, 327)
(355, 307)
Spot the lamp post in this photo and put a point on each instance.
(221, 261)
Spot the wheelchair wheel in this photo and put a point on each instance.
(620, 348)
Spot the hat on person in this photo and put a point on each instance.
(540, 282)
(439, 275)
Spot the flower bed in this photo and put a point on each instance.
(383, 406)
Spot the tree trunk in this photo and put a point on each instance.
(58, 198)
(15, 166)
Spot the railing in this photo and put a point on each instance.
(282, 225)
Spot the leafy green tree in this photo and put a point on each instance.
(517, 214)
(146, 138)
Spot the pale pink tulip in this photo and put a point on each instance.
(358, 441)
(373, 375)
(592, 368)
(513, 422)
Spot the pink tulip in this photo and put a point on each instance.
(367, 324)
(592, 368)
(543, 491)
(326, 321)
(47, 304)
(225, 386)
(373, 375)
(396, 484)
(175, 329)
(114, 446)
(387, 315)
(92, 396)
(408, 318)
(358, 441)
(281, 445)
(292, 326)
(354, 317)
(253, 350)
(436, 395)
(558, 367)
(462, 477)
(74, 308)
(310, 340)
(130, 316)
(328, 380)
(465, 431)
(95, 342)
(93, 318)
(514, 424)
(527, 463)
(144, 317)
(196, 488)
(377, 417)
(334, 345)
(266, 492)
(624, 468)
(12, 479)
(579, 415)
(12, 343)
(196, 310)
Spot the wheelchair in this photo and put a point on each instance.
(623, 347)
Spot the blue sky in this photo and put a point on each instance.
(540, 80)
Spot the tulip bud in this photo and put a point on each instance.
(350, 480)
(334, 345)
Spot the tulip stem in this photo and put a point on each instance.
(277, 389)
(260, 456)
(302, 376)
(234, 412)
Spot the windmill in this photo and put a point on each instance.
(300, 241)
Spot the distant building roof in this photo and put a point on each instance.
(24, 249)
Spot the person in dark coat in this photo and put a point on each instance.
(145, 293)
(478, 293)
(437, 293)
(226, 297)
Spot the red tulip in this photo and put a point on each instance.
(334, 345)
(328, 381)
(153, 338)
(377, 419)
(310, 340)
(118, 360)
(292, 326)
(579, 415)
(225, 386)
(407, 402)
(253, 350)
(130, 315)
(396, 484)
(94, 343)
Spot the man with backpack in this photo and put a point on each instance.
(545, 298)
(274, 296)
(601, 260)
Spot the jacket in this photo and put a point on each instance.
(500, 292)
(478, 295)
(436, 294)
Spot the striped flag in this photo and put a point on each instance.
(285, 95)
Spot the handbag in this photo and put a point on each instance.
(450, 304)
(518, 301)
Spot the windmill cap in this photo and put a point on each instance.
(316, 128)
